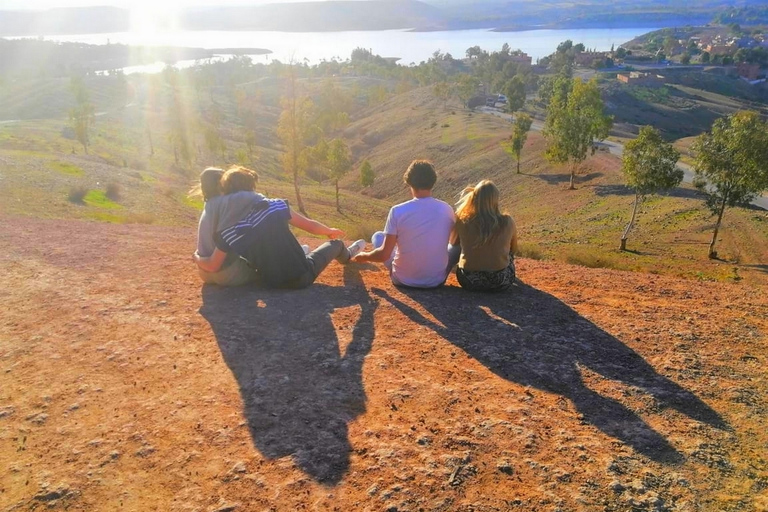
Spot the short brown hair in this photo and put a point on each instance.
(238, 179)
(420, 175)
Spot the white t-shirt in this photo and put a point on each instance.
(423, 227)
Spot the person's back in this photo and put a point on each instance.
(414, 243)
(423, 227)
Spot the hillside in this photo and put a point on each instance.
(127, 385)
(581, 226)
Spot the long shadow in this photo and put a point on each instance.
(554, 179)
(532, 338)
(299, 390)
(623, 190)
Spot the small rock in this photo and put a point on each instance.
(6, 411)
(505, 467)
(145, 451)
(372, 490)
(73, 407)
(114, 454)
(616, 486)
(239, 468)
(38, 419)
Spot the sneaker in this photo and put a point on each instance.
(305, 248)
(356, 248)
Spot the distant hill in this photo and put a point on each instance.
(341, 15)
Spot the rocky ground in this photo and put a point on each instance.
(126, 385)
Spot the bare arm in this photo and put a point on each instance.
(314, 227)
(211, 263)
(380, 254)
(513, 243)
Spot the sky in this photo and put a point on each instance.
(164, 4)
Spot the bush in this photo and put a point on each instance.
(77, 194)
(113, 190)
(529, 251)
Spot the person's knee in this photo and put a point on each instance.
(377, 240)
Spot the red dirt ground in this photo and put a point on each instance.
(126, 385)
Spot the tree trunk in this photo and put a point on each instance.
(518, 164)
(631, 223)
(572, 185)
(338, 208)
(712, 253)
(299, 202)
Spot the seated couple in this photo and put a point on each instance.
(241, 230)
(423, 239)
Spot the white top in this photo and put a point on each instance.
(423, 227)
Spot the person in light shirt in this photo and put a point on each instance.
(414, 245)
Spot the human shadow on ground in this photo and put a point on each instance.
(530, 337)
(299, 390)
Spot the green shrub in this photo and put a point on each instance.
(530, 251)
(77, 194)
(113, 191)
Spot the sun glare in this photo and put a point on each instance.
(150, 16)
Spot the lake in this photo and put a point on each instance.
(410, 47)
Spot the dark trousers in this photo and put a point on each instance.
(319, 259)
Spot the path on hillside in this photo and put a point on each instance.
(616, 148)
(125, 384)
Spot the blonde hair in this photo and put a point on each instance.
(480, 205)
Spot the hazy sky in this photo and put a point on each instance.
(160, 4)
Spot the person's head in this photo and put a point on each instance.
(420, 175)
(210, 182)
(239, 179)
(481, 204)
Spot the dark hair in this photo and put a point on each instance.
(210, 182)
(238, 179)
(420, 175)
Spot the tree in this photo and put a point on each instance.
(705, 57)
(466, 88)
(515, 93)
(731, 164)
(81, 116)
(366, 174)
(442, 91)
(519, 135)
(339, 162)
(575, 120)
(292, 129)
(650, 166)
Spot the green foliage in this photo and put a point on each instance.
(519, 135)
(66, 168)
(649, 165)
(575, 120)
(731, 163)
(339, 162)
(77, 194)
(82, 115)
(515, 93)
(466, 87)
(99, 198)
(367, 175)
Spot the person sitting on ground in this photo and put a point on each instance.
(488, 240)
(263, 238)
(221, 210)
(414, 243)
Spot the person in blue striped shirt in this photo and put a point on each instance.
(263, 238)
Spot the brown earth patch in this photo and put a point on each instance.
(126, 385)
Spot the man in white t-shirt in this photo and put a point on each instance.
(414, 243)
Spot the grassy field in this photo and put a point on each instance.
(129, 152)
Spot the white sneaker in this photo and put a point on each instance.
(305, 247)
(356, 248)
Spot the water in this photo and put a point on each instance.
(410, 47)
